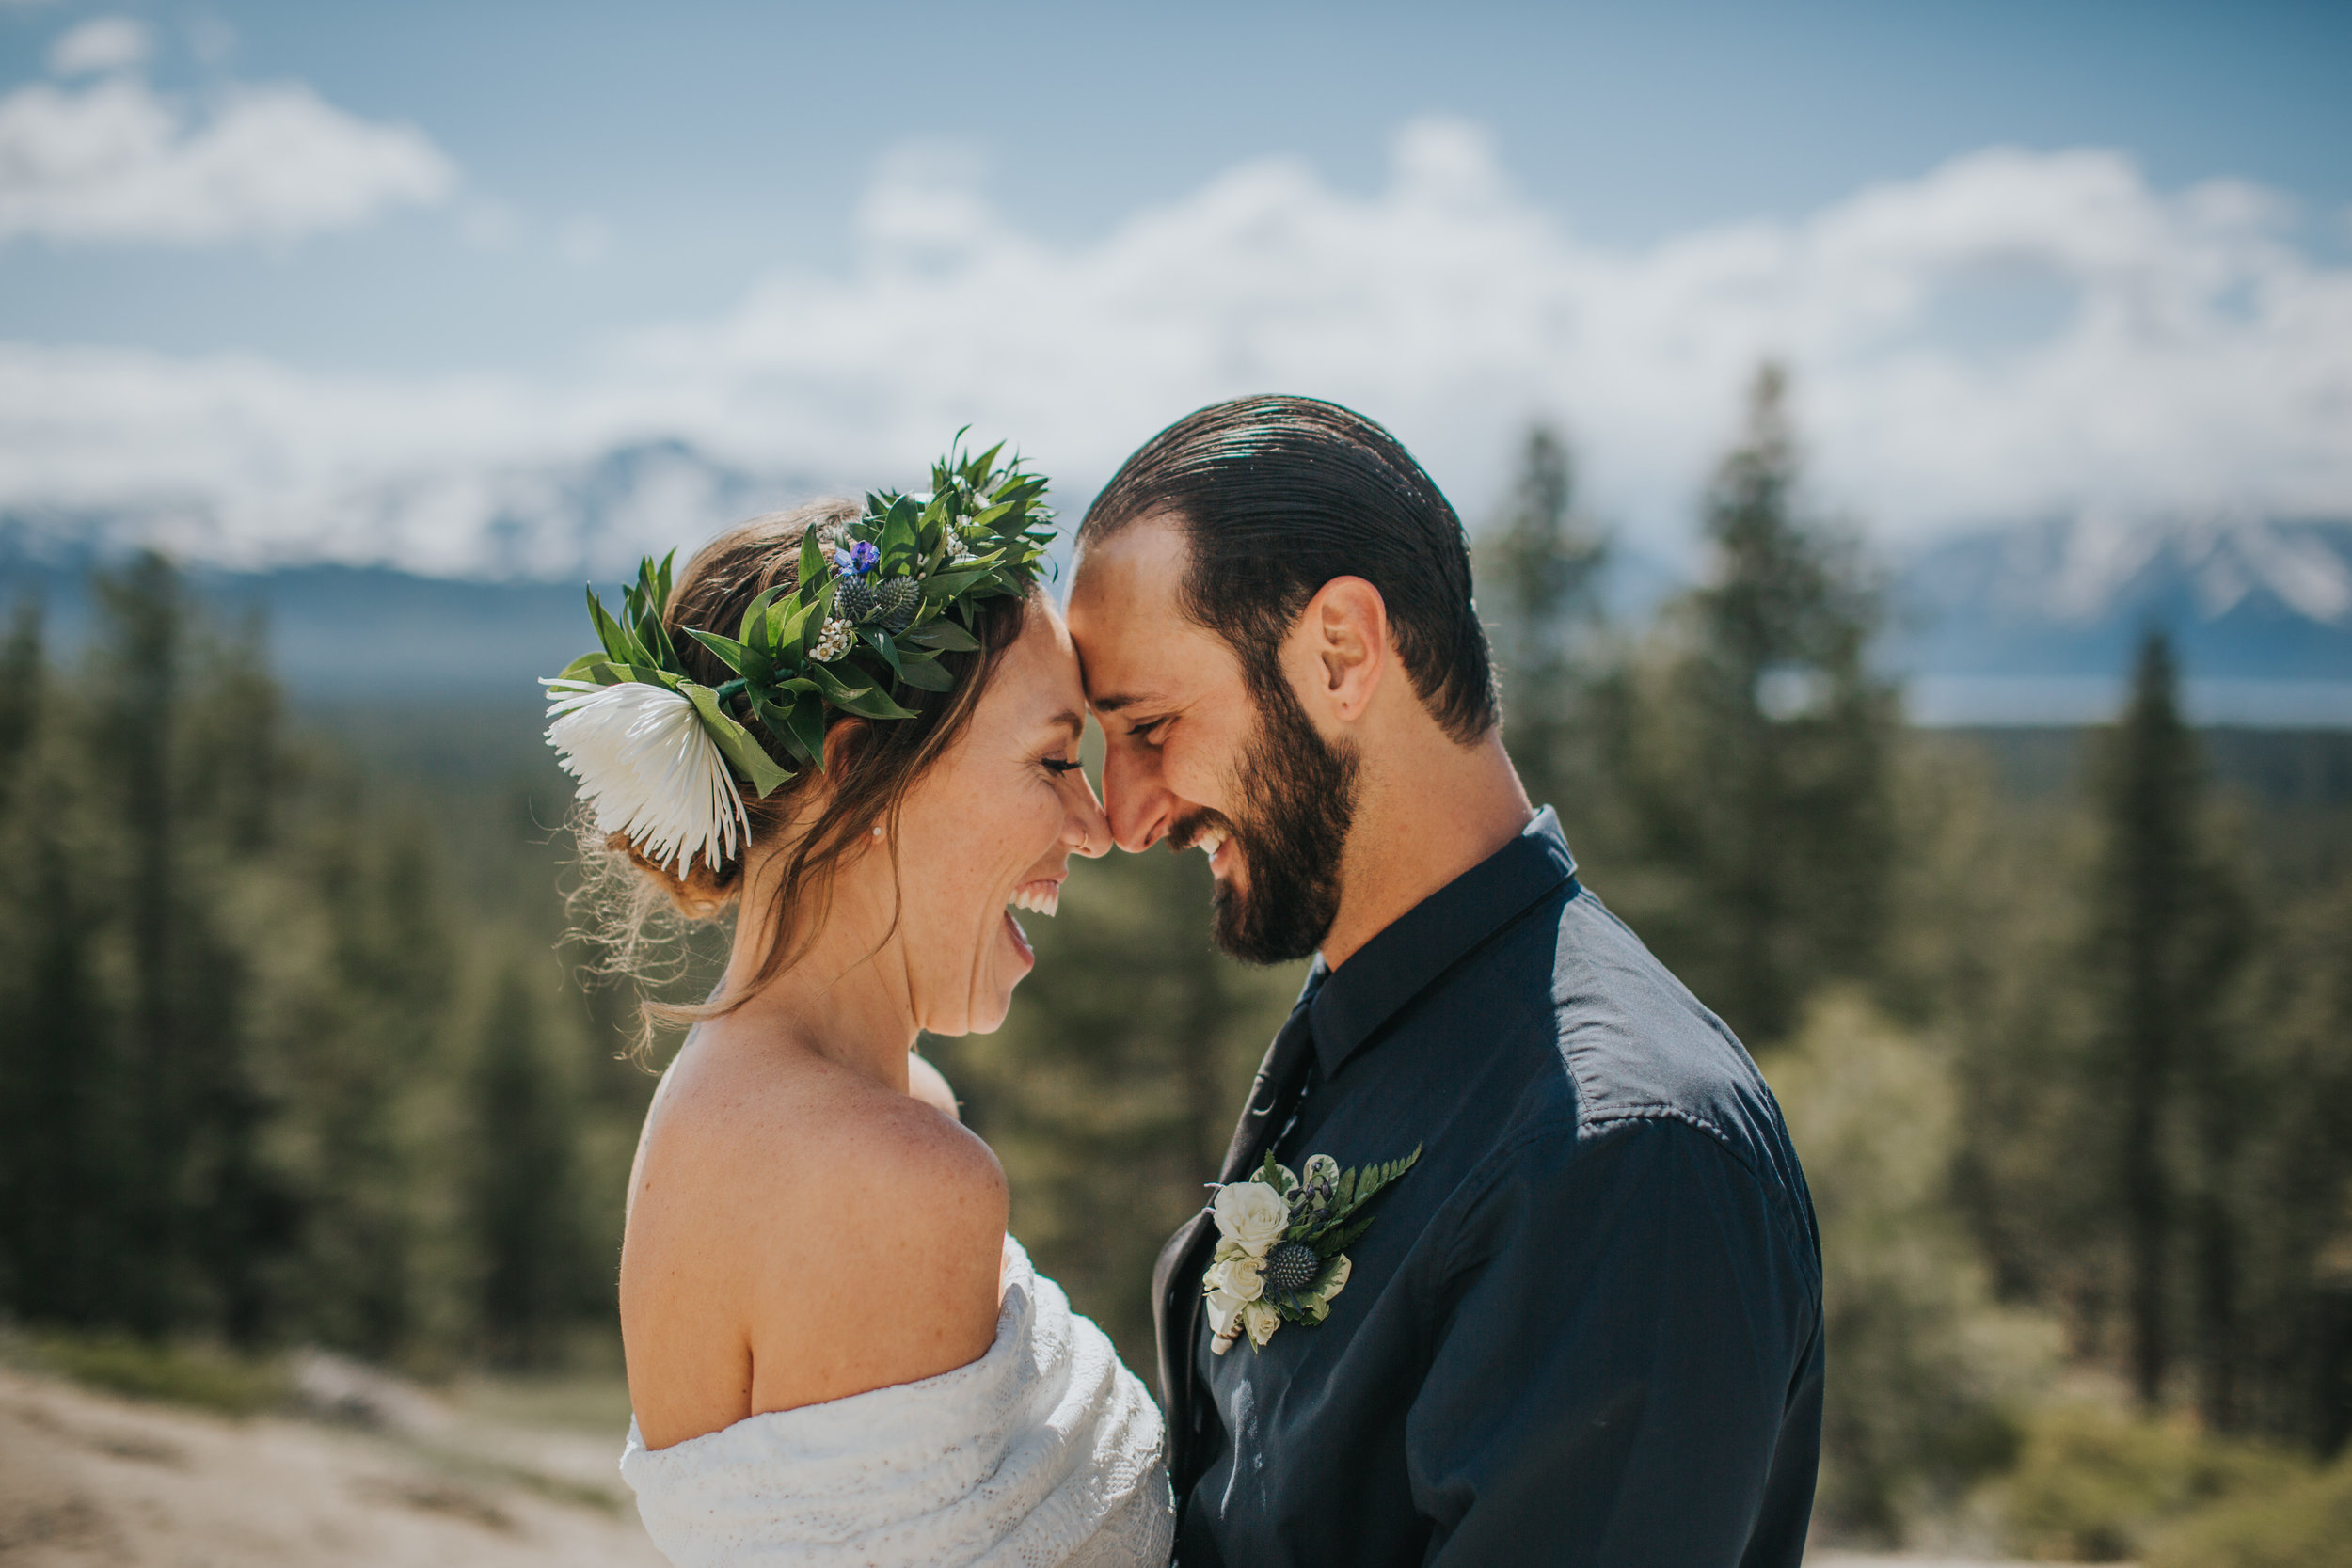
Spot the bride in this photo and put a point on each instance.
(857, 728)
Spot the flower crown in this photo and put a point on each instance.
(661, 759)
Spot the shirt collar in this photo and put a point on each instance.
(1350, 1003)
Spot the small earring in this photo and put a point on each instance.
(877, 829)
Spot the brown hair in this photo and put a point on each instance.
(1276, 497)
(872, 766)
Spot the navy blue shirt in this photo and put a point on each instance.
(1585, 1328)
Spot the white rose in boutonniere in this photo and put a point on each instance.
(1261, 1320)
(1224, 1318)
(1278, 1257)
(1251, 1216)
(1241, 1277)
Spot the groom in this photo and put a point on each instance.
(1586, 1326)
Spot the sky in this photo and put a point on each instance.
(262, 261)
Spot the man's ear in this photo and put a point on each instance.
(1342, 647)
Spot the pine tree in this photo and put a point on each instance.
(2168, 926)
(60, 1137)
(138, 706)
(1539, 576)
(1754, 751)
(522, 1201)
(201, 1214)
(22, 675)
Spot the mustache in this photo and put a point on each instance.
(1185, 832)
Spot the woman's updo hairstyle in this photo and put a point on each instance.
(872, 764)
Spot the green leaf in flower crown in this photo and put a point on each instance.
(949, 585)
(618, 643)
(653, 600)
(943, 636)
(777, 720)
(604, 672)
(728, 651)
(814, 566)
(734, 742)
(882, 643)
(867, 702)
(806, 723)
(756, 615)
(586, 668)
(924, 673)
(795, 623)
(898, 533)
(805, 625)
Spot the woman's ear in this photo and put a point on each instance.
(1340, 650)
(842, 740)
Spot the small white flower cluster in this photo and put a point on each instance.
(832, 642)
(1251, 1219)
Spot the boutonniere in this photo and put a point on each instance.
(1283, 1240)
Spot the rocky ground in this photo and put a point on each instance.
(374, 1474)
(381, 1479)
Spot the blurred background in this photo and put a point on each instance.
(1908, 452)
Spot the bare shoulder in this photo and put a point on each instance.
(799, 1232)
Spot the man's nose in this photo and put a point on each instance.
(1140, 808)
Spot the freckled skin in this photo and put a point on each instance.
(807, 1220)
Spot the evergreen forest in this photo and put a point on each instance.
(296, 1048)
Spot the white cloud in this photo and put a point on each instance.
(115, 163)
(2195, 358)
(2010, 334)
(108, 43)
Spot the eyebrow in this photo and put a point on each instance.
(1072, 720)
(1112, 704)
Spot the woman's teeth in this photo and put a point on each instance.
(1037, 898)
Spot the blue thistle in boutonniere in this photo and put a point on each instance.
(1281, 1244)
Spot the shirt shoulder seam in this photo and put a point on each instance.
(1576, 1127)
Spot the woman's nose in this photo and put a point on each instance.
(1084, 827)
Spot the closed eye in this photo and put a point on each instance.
(1060, 764)
(1148, 730)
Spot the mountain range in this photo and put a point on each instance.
(2038, 622)
(466, 585)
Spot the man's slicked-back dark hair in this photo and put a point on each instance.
(1277, 496)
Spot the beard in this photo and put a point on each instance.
(1297, 803)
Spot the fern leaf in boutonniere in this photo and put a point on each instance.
(1282, 1241)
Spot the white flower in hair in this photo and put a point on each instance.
(648, 769)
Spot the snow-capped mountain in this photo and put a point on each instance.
(552, 521)
(458, 583)
(467, 582)
(2248, 597)
(2038, 623)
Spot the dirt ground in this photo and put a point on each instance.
(390, 1478)
(91, 1479)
